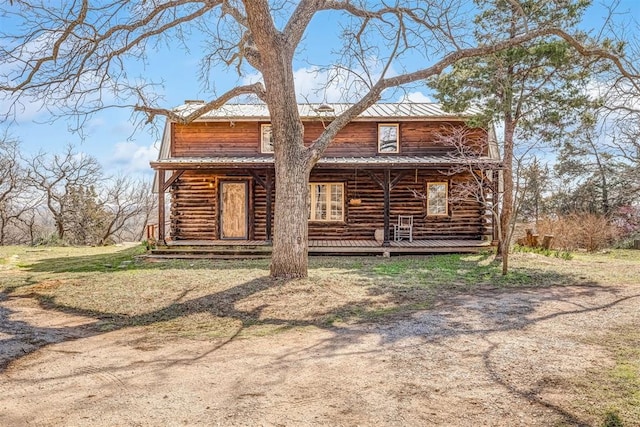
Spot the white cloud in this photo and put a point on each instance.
(130, 157)
(335, 84)
(416, 97)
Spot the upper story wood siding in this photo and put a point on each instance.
(360, 138)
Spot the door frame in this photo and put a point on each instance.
(221, 207)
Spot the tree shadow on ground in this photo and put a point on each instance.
(127, 259)
(484, 314)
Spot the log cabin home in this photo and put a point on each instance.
(400, 178)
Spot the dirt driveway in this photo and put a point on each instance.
(498, 358)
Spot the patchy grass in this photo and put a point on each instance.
(613, 393)
(114, 286)
(460, 272)
(202, 298)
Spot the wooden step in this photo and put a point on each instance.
(165, 257)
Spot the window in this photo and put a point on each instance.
(388, 141)
(326, 202)
(437, 203)
(266, 139)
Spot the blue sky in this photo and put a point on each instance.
(110, 135)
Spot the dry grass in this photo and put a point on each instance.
(111, 284)
(101, 283)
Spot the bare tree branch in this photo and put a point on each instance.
(254, 89)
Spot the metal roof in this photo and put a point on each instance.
(386, 111)
(338, 162)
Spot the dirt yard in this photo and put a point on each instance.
(489, 356)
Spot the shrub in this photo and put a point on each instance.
(579, 231)
(627, 220)
(49, 240)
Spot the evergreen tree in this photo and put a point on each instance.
(85, 216)
(535, 185)
(533, 89)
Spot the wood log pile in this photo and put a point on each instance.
(533, 240)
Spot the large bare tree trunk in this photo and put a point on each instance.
(507, 199)
(3, 225)
(292, 168)
(291, 159)
(290, 242)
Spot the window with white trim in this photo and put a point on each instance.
(388, 138)
(326, 201)
(437, 198)
(266, 139)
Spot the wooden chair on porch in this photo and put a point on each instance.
(404, 228)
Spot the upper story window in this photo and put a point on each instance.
(266, 139)
(326, 201)
(388, 138)
(437, 198)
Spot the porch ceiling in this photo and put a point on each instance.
(349, 162)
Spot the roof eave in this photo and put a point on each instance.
(172, 164)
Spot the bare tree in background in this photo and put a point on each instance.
(618, 118)
(125, 200)
(58, 177)
(70, 55)
(9, 181)
(149, 204)
(31, 224)
(14, 202)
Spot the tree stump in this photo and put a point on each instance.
(546, 241)
(378, 235)
(636, 244)
(531, 239)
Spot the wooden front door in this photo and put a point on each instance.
(233, 209)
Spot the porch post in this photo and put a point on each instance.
(386, 188)
(161, 189)
(268, 187)
(495, 217)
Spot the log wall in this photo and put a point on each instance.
(194, 207)
(466, 220)
(201, 139)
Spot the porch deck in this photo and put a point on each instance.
(260, 248)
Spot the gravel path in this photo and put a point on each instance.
(492, 358)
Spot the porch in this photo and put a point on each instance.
(262, 249)
(216, 201)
